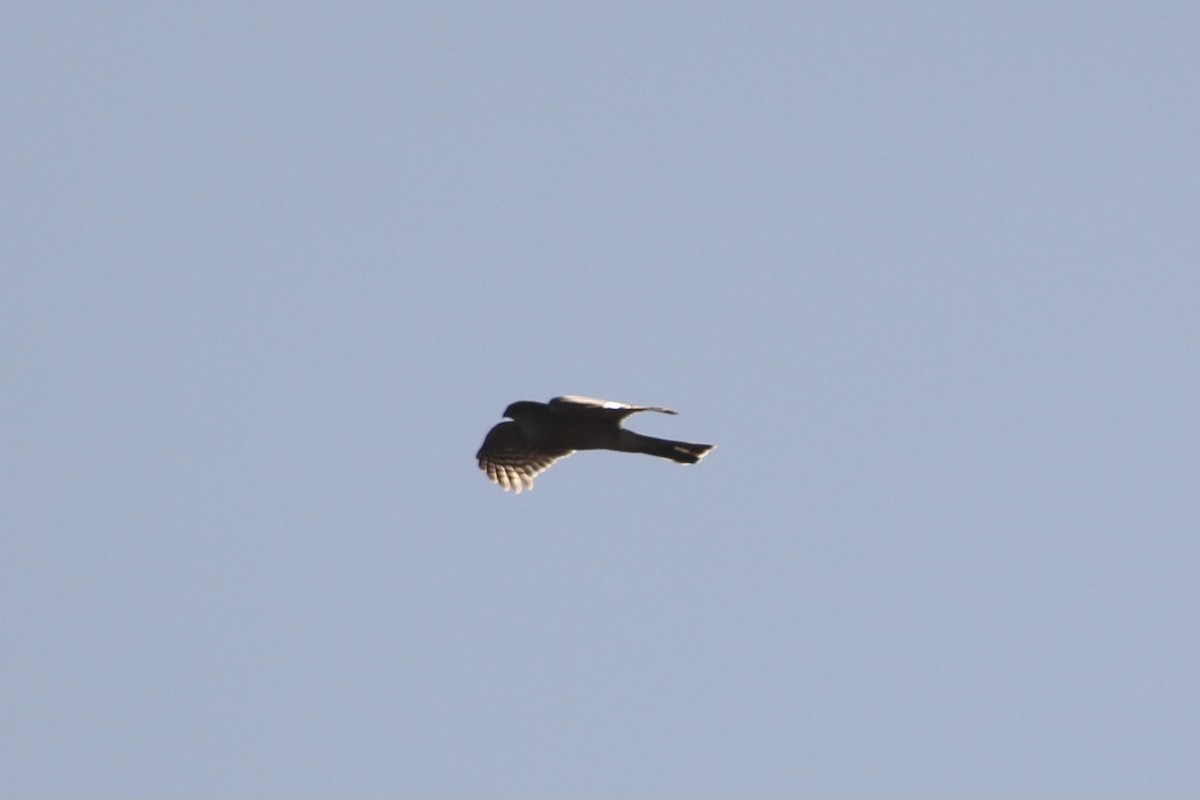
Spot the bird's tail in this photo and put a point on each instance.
(679, 452)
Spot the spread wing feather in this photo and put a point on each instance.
(513, 462)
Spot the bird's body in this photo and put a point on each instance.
(514, 453)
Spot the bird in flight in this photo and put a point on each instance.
(516, 452)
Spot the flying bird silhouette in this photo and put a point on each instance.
(516, 452)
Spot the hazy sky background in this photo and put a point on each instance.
(925, 272)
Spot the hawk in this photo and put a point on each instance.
(516, 452)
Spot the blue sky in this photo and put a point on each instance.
(925, 272)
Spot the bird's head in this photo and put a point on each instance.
(522, 409)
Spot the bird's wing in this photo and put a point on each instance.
(512, 461)
(573, 403)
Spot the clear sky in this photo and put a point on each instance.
(925, 272)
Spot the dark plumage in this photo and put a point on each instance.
(514, 453)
